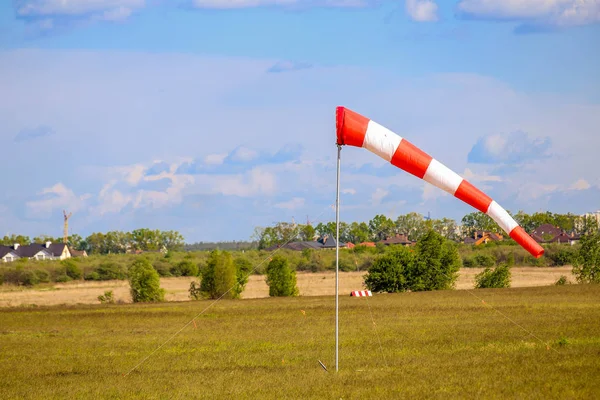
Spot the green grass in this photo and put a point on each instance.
(445, 344)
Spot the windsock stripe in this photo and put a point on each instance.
(351, 127)
(381, 140)
(443, 177)
(502, 217)
(520, 236)
(411, 159)
(473, 196)
(361, 293)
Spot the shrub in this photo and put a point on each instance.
(469, 262)
(218, 276)
(28, 278)
(144, 282)
(499, 277)
(561, 281)
(562, 256)
(92, 276)
(72, 270)
(484, 260)
(586, 267)
(391, 272)
(243, 269)
(63, 278)
(432, 265)
(111, 270)
(281, 278)
(195, 291)
(107, 297)
(163, 268)
(187, 268)
(42, 275)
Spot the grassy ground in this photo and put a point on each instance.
(446, 344)
(309, 284)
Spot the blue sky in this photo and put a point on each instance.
(212, 117)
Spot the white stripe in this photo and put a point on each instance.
(502, 217)
(381, 140)
(443, 177)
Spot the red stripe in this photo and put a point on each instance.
(351, 127)
(473, 196)
(520, 236)
(411, 159)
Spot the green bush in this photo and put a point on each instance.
(42, 275)
(484, 260)
(111, 271)
(72, 270)
(63, 278)
(561, 281)
(586, 267)
(144, 282)
(219, 276)
(432, 265)
(562, 256)
(187, 268)
(163, 268)
(243, 269)
(499, 277)
(281, 278)
(91, 276)
(107, 297)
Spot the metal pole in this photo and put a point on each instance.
(337, 257)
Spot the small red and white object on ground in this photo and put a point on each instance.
(361, 293)
(357, 130)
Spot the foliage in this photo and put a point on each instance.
(243, 269)
(107, 297)
(195, 291)
(561, 281)
(72, 270)
(391, 272)
(432, 265)
(219, 276)
(281, 278)
(586, 267)
(144, 282)
(499, 277)
(184, 268)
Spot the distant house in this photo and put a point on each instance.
(482, 237)
(78, 253)
(398, 239)
(35, 251)
(548, 233)
(324, 243)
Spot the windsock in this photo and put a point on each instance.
(356, 130)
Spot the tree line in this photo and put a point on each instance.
(112, 242)
(415, 226)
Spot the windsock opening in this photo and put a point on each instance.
(354, 129)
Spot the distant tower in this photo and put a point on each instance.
(66, 227)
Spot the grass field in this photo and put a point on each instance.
(309, 284)
(446, 344)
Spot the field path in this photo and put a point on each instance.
(309, 284)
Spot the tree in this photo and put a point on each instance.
(586, 267)
(437, 263)
(357, 233)
(432, 265)
(478, 221)
(391, 272)
(243, 270)
(281, 278)
(219, 276)
(499, 277)
(144, 282)
(412, 225)
(381, 227)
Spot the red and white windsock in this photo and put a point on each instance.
(356, 130)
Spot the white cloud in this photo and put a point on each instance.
(422, 10)
(378, 196)
(554, 12)
(37, 8)
(581, 184)
(244, 154)
(349, 191)
(56, 197)
(214, 159)
(296, 202)
(226, 4)
(255, 182)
